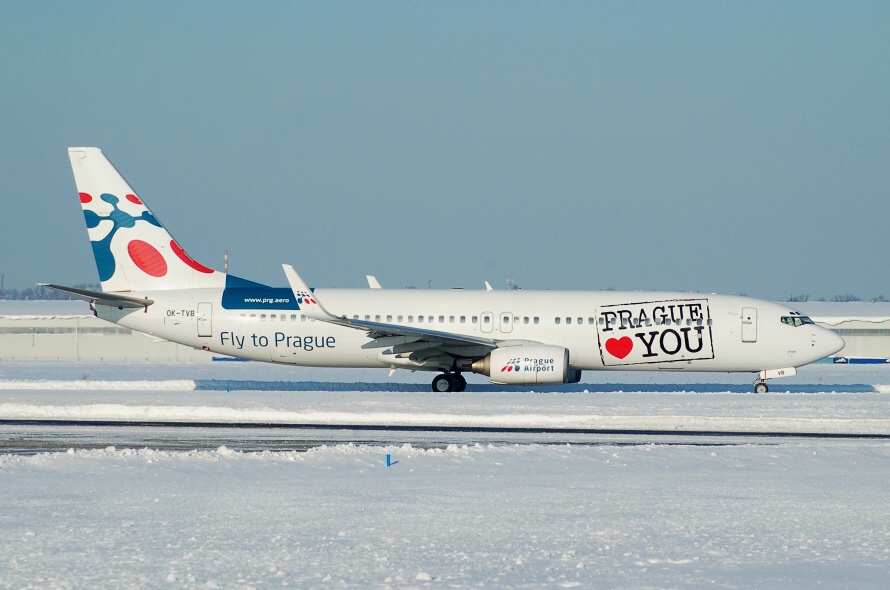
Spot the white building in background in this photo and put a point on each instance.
(865, 327)
(68, 331)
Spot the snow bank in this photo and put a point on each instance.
(87, 385)
(367, 386)
(225, 415)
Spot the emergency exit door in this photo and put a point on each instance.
(749, 324)
(506, 322)
(205, 315)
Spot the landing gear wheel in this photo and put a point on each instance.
(444, 383)
(760, 388)
(460, 384)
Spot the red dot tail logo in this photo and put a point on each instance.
(147, 258)
(188, 259)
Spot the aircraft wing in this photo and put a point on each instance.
(419, 345)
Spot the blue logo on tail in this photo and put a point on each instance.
(121, 219)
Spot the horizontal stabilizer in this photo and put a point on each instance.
(109, 299)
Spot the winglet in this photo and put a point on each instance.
(488, 286)
(373, 282)
(308, 301)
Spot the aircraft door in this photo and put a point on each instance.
(749, 324)
(506, 322)
(205, 314)
(486, 321)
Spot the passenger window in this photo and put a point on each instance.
(376, 318)
(419, 319)
(355, 317)
(525, 320)
(537, 320)
(557, 321)
(486, 320)
(430, 319)
(451, 319)
(590, 321)
(463, 319)
(367, 318)
(441, 319)
(475, 319)
(580, 321)
(568, 320)
(389, 318)
(273, 317)
(262, 317)
(401, 318)
(410, 319)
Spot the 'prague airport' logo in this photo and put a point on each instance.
(304, 298)
(511, 365)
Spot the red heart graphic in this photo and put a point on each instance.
(619, 347)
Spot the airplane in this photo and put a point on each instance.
(514, 337)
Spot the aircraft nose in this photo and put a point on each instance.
(828, 342)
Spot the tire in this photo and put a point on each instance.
(760, 388)
(460, 382)
(443, 383)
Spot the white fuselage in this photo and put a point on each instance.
(601, 330)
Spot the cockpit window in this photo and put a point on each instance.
(798, 320)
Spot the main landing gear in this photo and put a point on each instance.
(447, 382)
(760, 386)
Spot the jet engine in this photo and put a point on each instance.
(530, 364)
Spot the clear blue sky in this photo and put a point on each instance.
(731, 147)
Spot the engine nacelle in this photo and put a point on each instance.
(531, 364)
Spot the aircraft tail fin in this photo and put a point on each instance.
(133, 251)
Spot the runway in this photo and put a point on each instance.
(27, 437)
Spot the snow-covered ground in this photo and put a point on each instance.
(790, 513)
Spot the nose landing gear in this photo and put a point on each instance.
(448, 382)
(760, 383)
